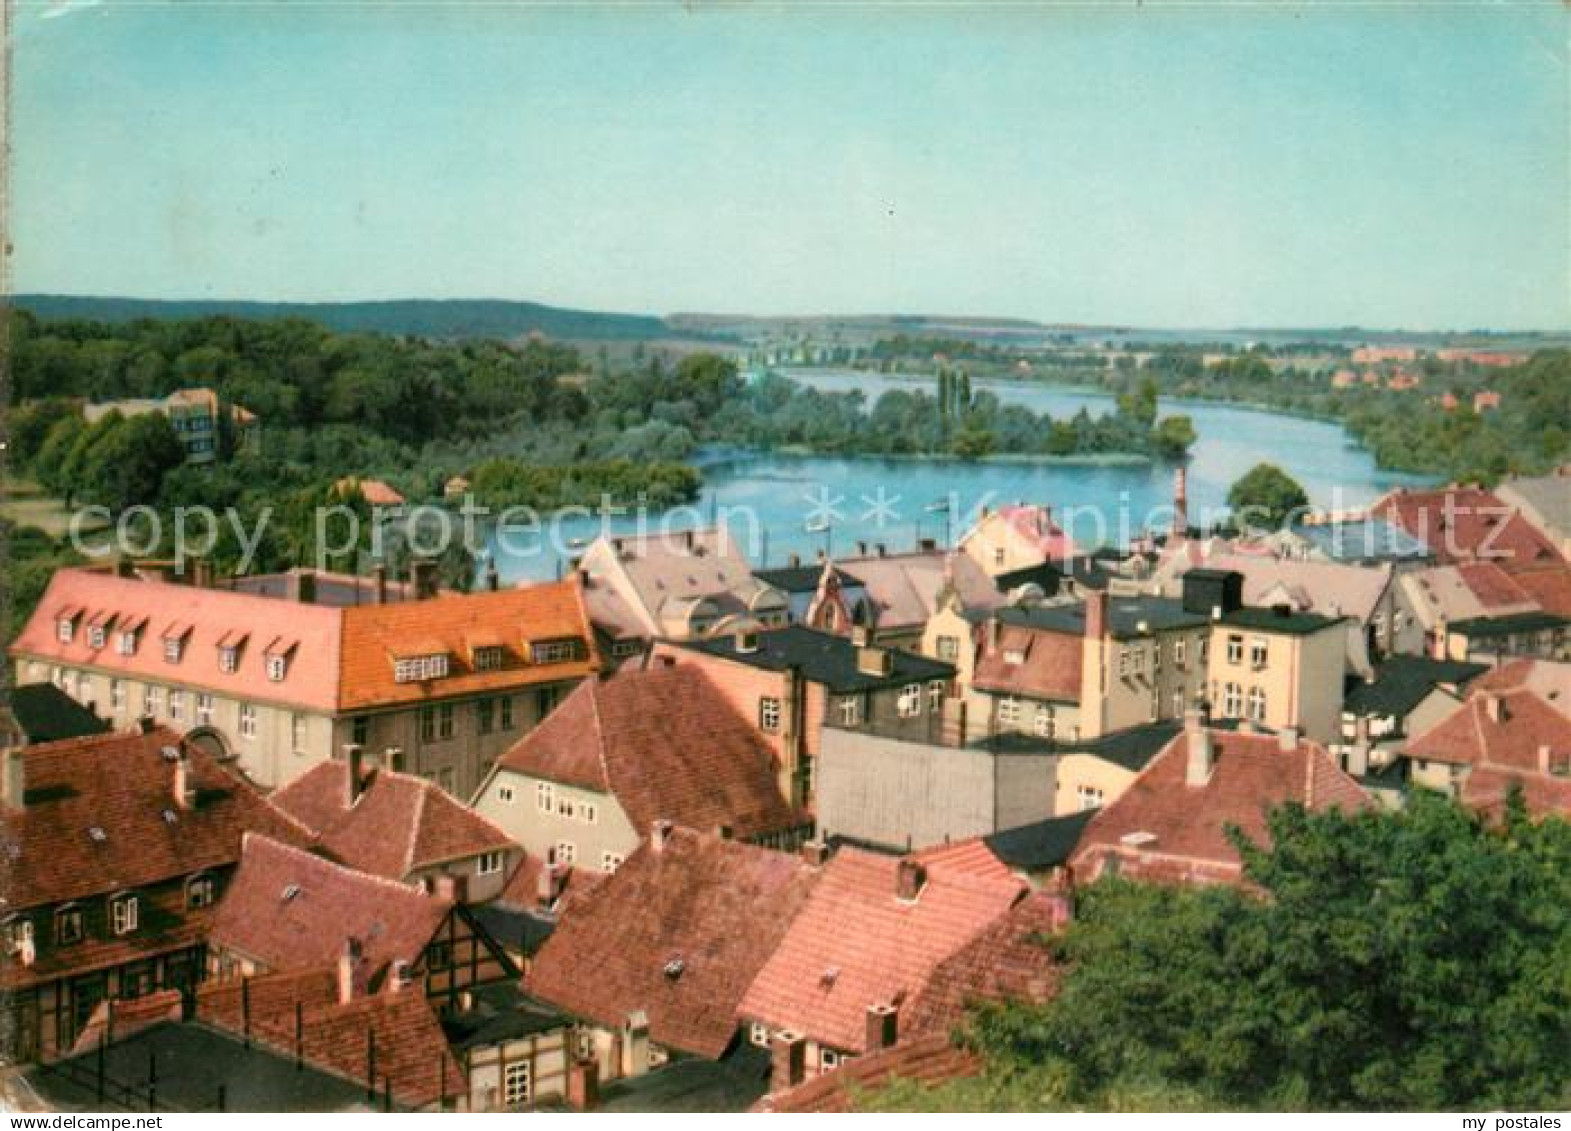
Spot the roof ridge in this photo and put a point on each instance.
(308, 856)
(414, 831)
(595, 686)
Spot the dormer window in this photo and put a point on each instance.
(199, 892)
(125, 641)
(413, 669)
(557, 651)
(279, 653)
(124, 910)
(228, 659)
(95, 635)
(174, 643)
(488, 658)
(65, 628)
(68, 925)
(277, 668)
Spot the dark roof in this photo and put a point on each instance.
(822, 658)
(801, 579)
(501, 1012)
(1365, 540)
(1283, 619)
(733, 1083)
(1509, 625)
(1047, 575)
(46, 714)
(1131, 748)
(1042, 844)
(515, 928)
(1125, 616)
(1401, 682)
(193, 1062)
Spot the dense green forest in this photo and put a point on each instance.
(1418, 960)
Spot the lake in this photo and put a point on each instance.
(781, 504)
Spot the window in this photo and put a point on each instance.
(1123, 661)
(360, 730)
(277, 668)
(204, 708)
(1009, 711)
(910, 701)
(125, 642)
(84, 688)
(488, 659)
(297, 733)
(610, 862)
(1205, 649)
(998, 556)
(117, 694)
(1232, 701)
(1179, 647)
(1139, 658)
(490, 864)
(545, 797)
(485, 715)
(515, 1085)
(564, 806)
(949, 647)
(758, 1034)
(850, 710)
(67, 629)
(444, 721)
(507, 712)
(174, 647)
(1257, 652)
(1088, 797)
(504, 793)
(1235, 649)
(1257, 704)
(123, 914)
(229, 659)
(247, 720)
(769, 715)
(829, 1059)
(199, 892)
(68, 925)
(1156, 656)
(588, 813)
(565, 853)
(152, 700)
(556, 651)
(176, 705)
(1046, 724)
(428, 724)
(95, 635)
(413, 669)
(1014, 656)
(545, 702)
(18, 934)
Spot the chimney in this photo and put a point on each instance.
(659, 835)
(1096, 614)
(379, 582)
(860, 637)
(493, 580)
(423, 574)
(883, 1027)
(301, 586)
(794, 561)
(872, 660)
(1287, 739)
(146, 724)
(354, 773)
(15, 777)
(1201, 756)
(202, 573)
(910, 878)
(1358, 759)
(1180, 502)
(125, 567)
(787, 1060)
(351, 973)
(861, 549)
(583, 1083)
(995, 632)
(548, 886)
(184, 789)
(815, 852)
(1543, 758)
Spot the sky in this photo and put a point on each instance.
(1206, 165)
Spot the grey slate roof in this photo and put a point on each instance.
(801, 579)
(1132, 748)
(1402, 682)
(1041, 845)
(1509, 625)
(46, 714)
(822, 658)
(1126, 615)
(1286, 621)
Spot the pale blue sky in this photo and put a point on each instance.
(1205, 165)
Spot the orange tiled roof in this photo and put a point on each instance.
(856, 944)
(398, 823)
(718, 908)
(1187, 824)
(667, 745)
(289, 909)
(1468, 523)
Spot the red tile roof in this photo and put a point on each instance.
(1492, 586)
(1508, 719)
(1009, 961)
(667, 745)
(931, 1060)
(856, 944)
(288, 909)
(1550, 588)
(341, 658)
(1468, 523)
(397, 1031)
(397, 824)
(122, 784)
(1487, 787)
(1186, 824)
(717, 907)
(1049, 666)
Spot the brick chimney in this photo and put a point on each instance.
(910, 878)
(787, 1060)
(15, 777)
(1495, 707)
(493, 580)
(1180, 502)
(354, 773)
(1201, 755)
(351, 971)
(422, 574)
(883, 1026)
(659, 835)
(583, 1083)
(1097, 625)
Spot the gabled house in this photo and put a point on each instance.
(1402, 697)
(399, 827)
(654, 961)
(1016, 537)
(584, 788)
(1172, 824)
(865, 948)
(895, 595)
(115, 849)
(1544, 501)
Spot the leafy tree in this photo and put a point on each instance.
(1174, 436)
(1266, 496)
